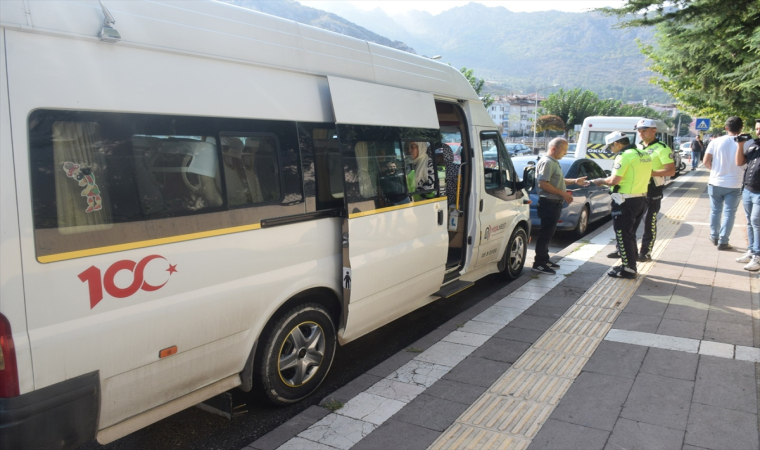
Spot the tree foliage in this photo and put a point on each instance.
(575, 105)
(478, 86)
(708, 52)
(571, 106)
(550, 123)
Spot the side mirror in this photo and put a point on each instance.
(528, 178)
(608, 172)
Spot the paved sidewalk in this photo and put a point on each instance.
(575, 361)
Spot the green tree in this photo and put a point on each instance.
(571, 106)
(574, 106)
(477, 84)
(707, 52)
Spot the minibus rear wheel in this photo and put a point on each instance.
(297, 353)
(512, 263)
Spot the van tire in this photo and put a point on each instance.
(303, 339)
(512, 263)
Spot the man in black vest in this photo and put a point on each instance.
(748, 152)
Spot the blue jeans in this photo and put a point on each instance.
(751, 202)
(695, 159)
(723, 205)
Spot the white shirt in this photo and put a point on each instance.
(724, 173)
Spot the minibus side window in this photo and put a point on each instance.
(325, 178)
(379, 170)
(251, 169)
(99, 177)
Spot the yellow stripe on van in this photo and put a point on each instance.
(143, 244)
(395, 208)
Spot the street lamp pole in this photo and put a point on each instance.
(535, 112)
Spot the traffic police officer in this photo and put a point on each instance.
(663, 165)
(629, 180)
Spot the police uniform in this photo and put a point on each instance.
(661, 155)
(629, 203)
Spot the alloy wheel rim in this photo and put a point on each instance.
(516, 253)
(583, 221)
(301, 354)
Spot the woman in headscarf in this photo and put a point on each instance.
(421, 176)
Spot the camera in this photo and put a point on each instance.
(742, 137)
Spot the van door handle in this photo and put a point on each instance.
(440, 217)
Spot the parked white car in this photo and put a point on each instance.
(685, 148)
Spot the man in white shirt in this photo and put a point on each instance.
(725, 183)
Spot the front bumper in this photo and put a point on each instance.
(61, 416)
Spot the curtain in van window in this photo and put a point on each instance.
(81, 197)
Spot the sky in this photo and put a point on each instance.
(435, 7)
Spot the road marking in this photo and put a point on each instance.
(515, 408)
(709, 348)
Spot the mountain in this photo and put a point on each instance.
(519, 52)
(289, 9)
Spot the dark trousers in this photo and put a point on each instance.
(654, 199)
(625, 220)
(549, 212)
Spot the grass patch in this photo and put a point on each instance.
(333, 405)
(414, 350)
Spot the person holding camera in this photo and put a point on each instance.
(725, 183)
(748, 152)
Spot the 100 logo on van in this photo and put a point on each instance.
(97, 282)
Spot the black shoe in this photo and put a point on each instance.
(714, 241)
(552, 265)
(725, 246)
(614, 255)
(644, 258)
(543, 268)
(622, 272)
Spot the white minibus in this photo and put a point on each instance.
(196, 197)
(591, 139)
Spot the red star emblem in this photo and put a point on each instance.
(172, 268)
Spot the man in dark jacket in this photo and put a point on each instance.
(748, 152)
(697, 148)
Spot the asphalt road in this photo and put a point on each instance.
(194, 428)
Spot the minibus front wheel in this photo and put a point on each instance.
(296, 355)
(511, 265)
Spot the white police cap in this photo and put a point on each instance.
(645, 123)
(613, 137)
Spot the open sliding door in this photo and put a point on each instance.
(395, 237)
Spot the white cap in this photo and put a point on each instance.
(613, 137)
(645, 123)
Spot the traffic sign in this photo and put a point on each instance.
(703, 124)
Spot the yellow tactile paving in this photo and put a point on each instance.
(513, 410)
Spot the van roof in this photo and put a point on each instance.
(220, 30)
(622, 123)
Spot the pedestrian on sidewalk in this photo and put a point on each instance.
(552, 193)
(629, 181)
(663, 165)
(725, 183)
(697, 147)
(748, 152)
